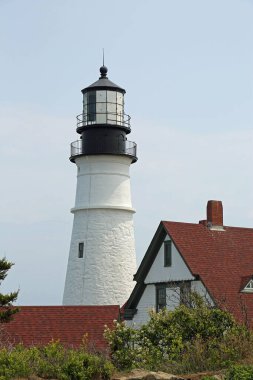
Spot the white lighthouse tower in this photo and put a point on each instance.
(102, 258)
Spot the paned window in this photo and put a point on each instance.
(185, 292)
(80, 250)
(160, 297)
(167, 253)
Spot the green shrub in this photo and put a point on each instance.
(187, 339)
(123, 344)
(53, 361)
(14, 363)
(240, 372)
(81, 365)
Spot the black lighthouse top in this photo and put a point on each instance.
(103, 125)
(103, 83)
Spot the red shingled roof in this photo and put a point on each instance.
(38, 325)
(222, 259)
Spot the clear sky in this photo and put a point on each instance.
(187, 68)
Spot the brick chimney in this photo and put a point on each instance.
(214, 211)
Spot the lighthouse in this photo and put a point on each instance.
(102, 258)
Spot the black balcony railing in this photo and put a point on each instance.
(129, 148)
(110, 118)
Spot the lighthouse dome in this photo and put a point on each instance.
(104, 83)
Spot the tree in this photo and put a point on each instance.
(6, 300)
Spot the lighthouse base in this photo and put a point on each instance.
(104, 275)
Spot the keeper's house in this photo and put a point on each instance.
(208, 257)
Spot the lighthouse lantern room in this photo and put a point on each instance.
(102, 259)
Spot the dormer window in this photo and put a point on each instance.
(249, 287)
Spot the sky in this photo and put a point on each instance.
(187, 67)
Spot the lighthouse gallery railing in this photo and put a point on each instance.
(113, 118)
(130, 149)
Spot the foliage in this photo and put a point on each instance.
(201, 355)
(240, 372)
(53, 361)
(187, 339)
(6, 300)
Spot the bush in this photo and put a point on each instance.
(53, 361)
(14, 363)
(240, 372)
(187, 339)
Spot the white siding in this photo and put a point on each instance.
(198, 287)
(177, 272)
(146, 303)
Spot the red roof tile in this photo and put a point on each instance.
(38, 325)
(221, 258)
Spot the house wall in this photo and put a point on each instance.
(199, 287)
(175, 277)
(146, 303)
(177, 272)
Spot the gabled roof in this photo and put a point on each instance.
(221, 258)
(38, 325)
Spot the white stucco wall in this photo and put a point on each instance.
(177, 272)
(103, 221)
(103, 181)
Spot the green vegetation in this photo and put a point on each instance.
(240, 372)
(53, 361)
(6, 309)
(186, 340)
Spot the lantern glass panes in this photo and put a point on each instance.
(103, 107)
(111, 97)
(91, 107)
(85, 108)
(101, 96)
(111, 107)
(120, 108)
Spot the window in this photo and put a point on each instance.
(249, 287)
(172, 294)
(167, 253)
(80, 250)
(185, 293)
(160, 297)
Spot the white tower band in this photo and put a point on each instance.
(102, 258)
